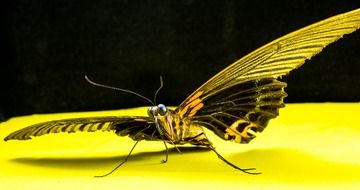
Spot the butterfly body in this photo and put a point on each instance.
(168, 126)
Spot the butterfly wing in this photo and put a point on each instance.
(242, 98)
(136, 127)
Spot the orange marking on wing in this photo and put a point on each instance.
(238, 135)
(192, 105)
(233, 133)
(197, 95)
(196, 108)
(195, 103)
(184, 110)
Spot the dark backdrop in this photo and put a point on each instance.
(48, 47)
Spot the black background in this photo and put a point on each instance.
(48, 46)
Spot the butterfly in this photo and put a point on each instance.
(236, 104)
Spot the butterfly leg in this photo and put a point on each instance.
(167, 154)
(245, 170)
(126, 159)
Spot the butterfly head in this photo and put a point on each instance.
(164, 121)
(159, 110)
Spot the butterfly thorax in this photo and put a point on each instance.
(174, 129)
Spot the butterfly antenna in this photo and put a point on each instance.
(118, 89)
(158, 90)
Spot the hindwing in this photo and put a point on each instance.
(239, 112)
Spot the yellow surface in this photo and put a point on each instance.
(315, 146)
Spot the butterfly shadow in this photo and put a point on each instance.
(140, 158)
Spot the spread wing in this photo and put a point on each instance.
(136, 127)
(242, 98)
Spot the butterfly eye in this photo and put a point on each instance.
(150, 112)
(162, 109)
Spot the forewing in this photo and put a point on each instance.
(259, 70)
(123, 126)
